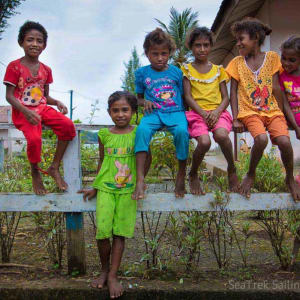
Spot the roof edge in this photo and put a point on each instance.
(219, 18)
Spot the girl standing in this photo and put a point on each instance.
(206, 94)
(114, 184)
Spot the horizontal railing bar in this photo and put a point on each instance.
(77, 126)
(163, 202)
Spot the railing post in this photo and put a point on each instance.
(236, 145)
(74, 221)
(1, 155)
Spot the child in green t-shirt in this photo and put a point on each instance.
(114, 184)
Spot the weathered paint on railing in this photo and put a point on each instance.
(153, 202)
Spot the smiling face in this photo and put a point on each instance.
(201, 48)
(290, 61)
(121, 113)
(245, 44)
(158, 56)
(33, 43)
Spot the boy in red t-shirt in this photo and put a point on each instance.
(27, 90)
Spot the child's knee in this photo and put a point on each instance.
(204, 143)
(181, 133)
(283, 142)
(221, 135)
(261, 141)
(69, 129)
(34, 141)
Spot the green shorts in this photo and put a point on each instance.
(115, 215)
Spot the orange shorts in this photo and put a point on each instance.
(276, 125)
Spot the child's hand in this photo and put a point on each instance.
(148, 106)
(213, 117)
(238, 126)
(32, 117)
(297, 131)
(61, 107)
(89, 194)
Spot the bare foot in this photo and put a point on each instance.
(294, 188)
(246, 185)
(180, 186)
(233, 181)
(195, 186)
(101, 281)
(115, 287)
(37, 183)
(139, 192)
(54, 173)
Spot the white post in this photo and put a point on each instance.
(74, 221)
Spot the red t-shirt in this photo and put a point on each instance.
(29, 89)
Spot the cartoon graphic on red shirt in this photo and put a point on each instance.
(29, 89)
(260, 98)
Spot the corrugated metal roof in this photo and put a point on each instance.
(3, 113)
(229, 12)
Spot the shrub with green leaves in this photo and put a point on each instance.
(270, 176)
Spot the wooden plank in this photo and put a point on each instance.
(74, 221)
(153, 202)
(77, 126)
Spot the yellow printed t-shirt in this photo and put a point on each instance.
(255, 88)
(205, 87)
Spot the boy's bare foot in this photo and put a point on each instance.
(139, 192)
(233, 181)
(180, 186)
(101, 281)
(54, 173)
(115, 287)
(246, 185)
(294, 188)
(37, 183)
(195, 186)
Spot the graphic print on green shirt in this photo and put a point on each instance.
(118, 169)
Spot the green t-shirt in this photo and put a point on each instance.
(118, 170)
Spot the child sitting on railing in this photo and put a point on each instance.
(27, 90)
(256, 98)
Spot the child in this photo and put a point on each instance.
(290, 77)
(159, 90)
(27, 90)
(255, 97)
(206, 94)
(114, 184)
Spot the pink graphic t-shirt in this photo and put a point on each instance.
(291, 86)
(29, 89)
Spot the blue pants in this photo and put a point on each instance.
(175, 122)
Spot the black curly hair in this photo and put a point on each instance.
(159, 37)
(30, 25)
(293, 42)
(116, 96)
(254, 27)
(196, 33)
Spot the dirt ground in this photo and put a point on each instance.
(263, 265)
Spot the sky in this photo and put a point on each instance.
(89, 41)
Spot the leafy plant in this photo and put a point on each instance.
(179, 25)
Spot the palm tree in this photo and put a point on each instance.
(178, 28)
